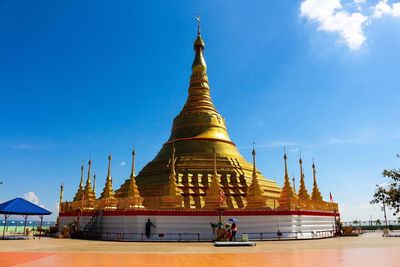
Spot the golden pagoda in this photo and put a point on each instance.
(256, 197)
(173, 198)
(107, 199)
(88, 195)
(197, 131)
(315, 195)
(215, 197)
(303, 194)
(79, 193)
(288, 198)
(133, 198)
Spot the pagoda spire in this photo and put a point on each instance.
(303, 194)
(173, 199)
(173, 187)
(287, 194)
(199, 99)
(61, 193)
(94, 184)
(133, 190)
(88, 192)
(316, 194)
(256, 198)
(133, 163)
(79, 193)
(133, 195)
(215, 197)
(108, 190)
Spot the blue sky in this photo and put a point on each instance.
(80, 79)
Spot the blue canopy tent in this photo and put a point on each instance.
(20, 206)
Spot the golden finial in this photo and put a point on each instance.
(61, 192)
(285, 158)
(314, 172)
(198, 24)
(94, 183)
(81, 183)
(109, 166)
(254, 161)
(90, 166)
(199, 64)
(133, 163)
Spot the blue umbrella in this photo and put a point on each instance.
(233, 220)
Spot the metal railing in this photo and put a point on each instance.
(290, 235)
(117, 236)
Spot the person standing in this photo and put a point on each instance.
(149, 224)
(234, 230)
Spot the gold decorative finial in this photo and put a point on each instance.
(61, 192)
(254, 161)
(133, 163)
(88, 181)
(109, 166)
(285, 158)
(198, 24)
(81, 183)
(94, 183)
(199, 64)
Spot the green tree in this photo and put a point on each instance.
(378, 222)
(389, 193)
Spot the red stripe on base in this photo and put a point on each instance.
(202, 213)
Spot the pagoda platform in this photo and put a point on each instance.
(194, 225)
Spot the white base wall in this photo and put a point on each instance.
(299, 226)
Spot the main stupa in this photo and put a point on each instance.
(197, 177)
(197, 131)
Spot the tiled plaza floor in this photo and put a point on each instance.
(366, 250)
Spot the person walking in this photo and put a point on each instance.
(233, 230)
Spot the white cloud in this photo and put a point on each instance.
(122, 163)
(384, 8)
(332, 17)
(32, 197)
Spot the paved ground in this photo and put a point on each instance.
(366, 250)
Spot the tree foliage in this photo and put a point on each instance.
(389, 193)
